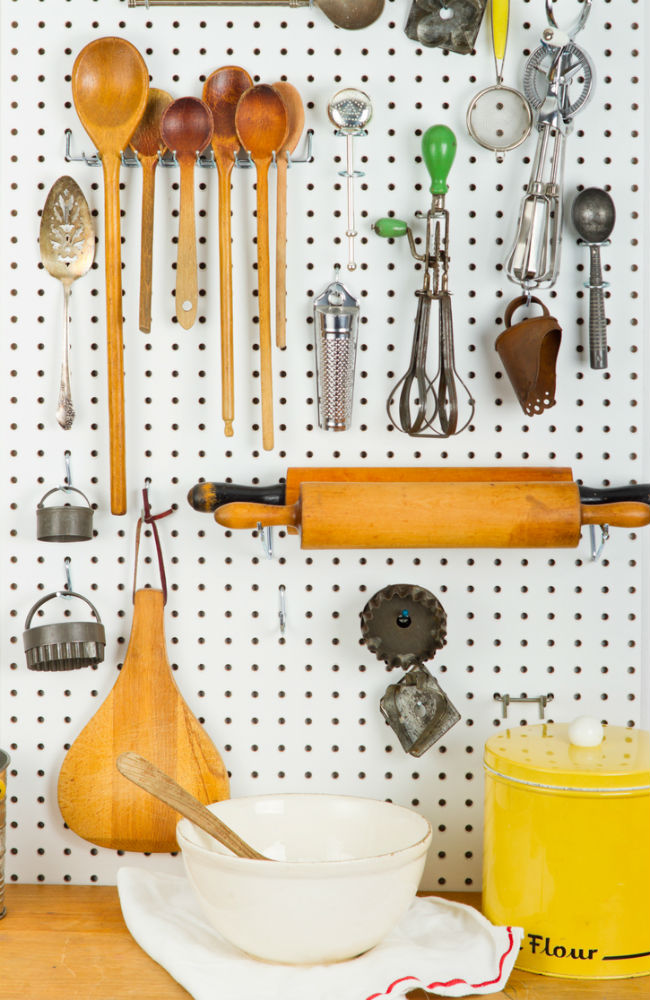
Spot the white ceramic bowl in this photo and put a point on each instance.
(345, 872)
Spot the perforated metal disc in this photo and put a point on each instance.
(499, 118)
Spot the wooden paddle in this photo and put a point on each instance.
(296, 116)
(145, 713)
(110, 83)
(186, 129)
(147, 143)
(262, 124)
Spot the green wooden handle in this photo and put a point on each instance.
(389, 228)
(438, 152)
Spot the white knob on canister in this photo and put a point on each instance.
(585, 731)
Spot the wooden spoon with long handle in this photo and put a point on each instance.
(145, 774)
(147, 143)
(262, 124)
(296, 114)
(186, 129)
(221, 92)
(110, 83)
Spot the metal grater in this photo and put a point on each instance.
(336, 322)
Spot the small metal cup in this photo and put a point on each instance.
(4, 764)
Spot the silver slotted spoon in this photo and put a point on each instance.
(67, 244)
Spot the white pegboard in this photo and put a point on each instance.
(301, 711)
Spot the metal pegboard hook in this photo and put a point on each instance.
(282, 611)
(266, 538)
(67, 479)
(67, 588)
(597, 549)
(507, 699)
(94, 160)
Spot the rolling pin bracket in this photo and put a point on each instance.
(507, 699)
(206, 161)
(597, 549)
(266, 538)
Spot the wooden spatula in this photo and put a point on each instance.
(145, 712)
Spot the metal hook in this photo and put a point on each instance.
(266, 537)
(282, 613)
(596, 550)
(68, 579)
(68, 475)
(507, 699)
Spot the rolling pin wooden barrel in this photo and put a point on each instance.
(351, 515)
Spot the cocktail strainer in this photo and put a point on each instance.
(499, 118)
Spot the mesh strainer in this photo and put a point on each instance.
(499, 118)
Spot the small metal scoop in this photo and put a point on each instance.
(350, 111)
(593, 216)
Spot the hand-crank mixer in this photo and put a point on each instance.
(359, 508)
(419, 405)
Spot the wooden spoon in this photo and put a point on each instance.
(147, 143)
(221, 92)
(186, 128)
(296, 115)
(143, 773)
(110, 83)
(262, 124)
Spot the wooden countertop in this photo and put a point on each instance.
(70, 943)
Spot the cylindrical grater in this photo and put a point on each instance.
(336, 324)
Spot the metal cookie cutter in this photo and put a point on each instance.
(403, 625)
(63, 645)
(64, 522)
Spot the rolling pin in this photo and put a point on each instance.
(431, 515)
(207, 496)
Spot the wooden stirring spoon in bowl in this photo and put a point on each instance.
(186, 129)
(110, 83)
(221, 93)
(262, 124)
(146, 775)
(147, 143)
(296, 114)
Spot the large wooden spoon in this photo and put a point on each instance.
(262, 124)
(296, 114)
(147, 143)
(145, 774)
(186, 129)
(110, 83)
(221, 92)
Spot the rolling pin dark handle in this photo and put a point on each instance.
(597, 318)
(615, 494)
(206, 497)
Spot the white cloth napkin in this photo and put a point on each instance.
(444, 947)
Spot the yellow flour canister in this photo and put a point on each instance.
(567, 846)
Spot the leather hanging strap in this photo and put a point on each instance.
(148, 518)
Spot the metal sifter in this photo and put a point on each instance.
(499, 118)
